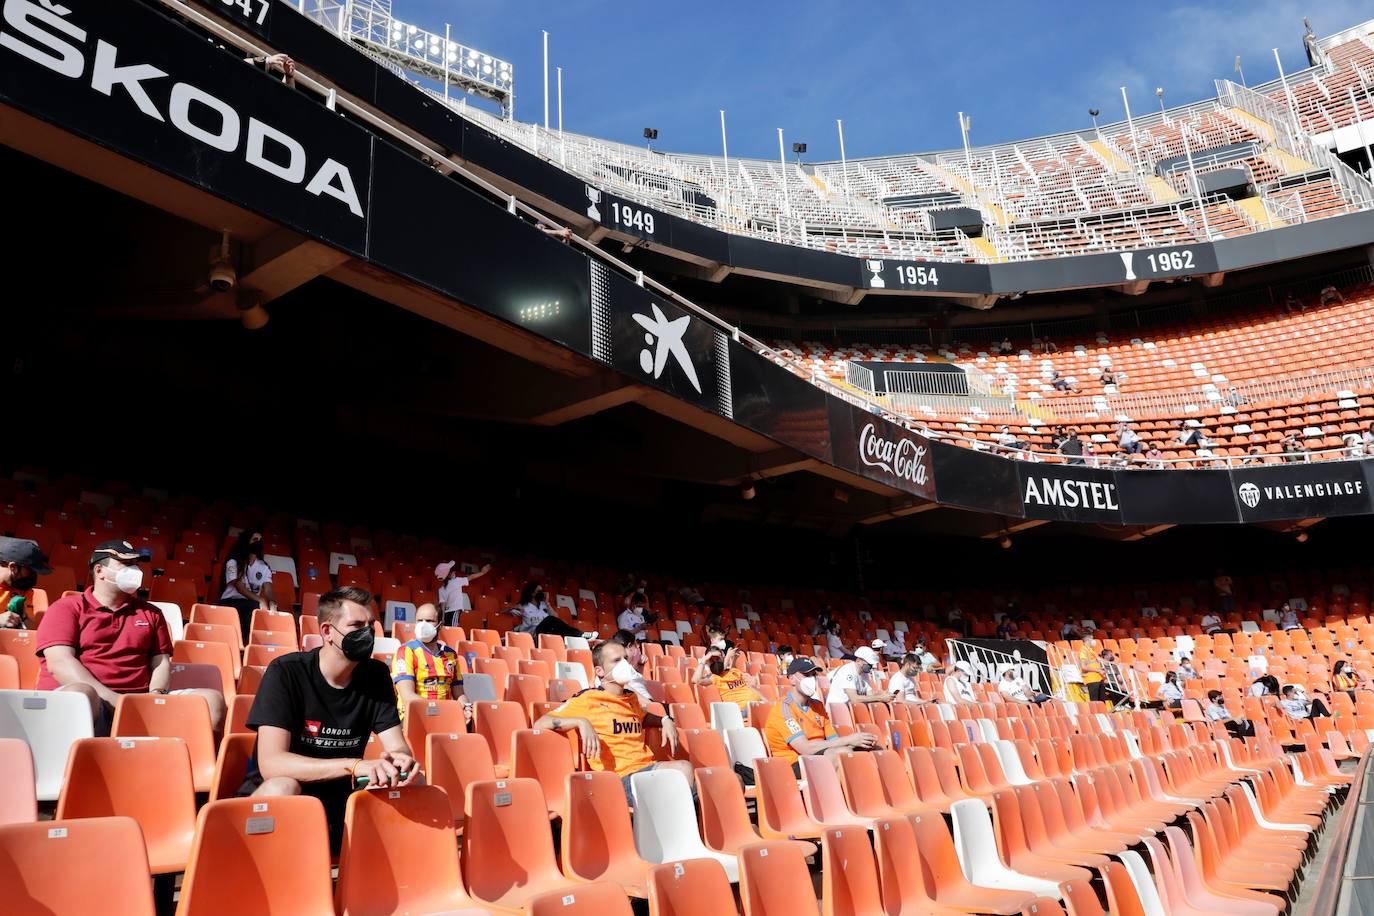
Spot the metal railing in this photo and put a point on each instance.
(305, 80)
(987, 665)
(861, 377)
(1343, 885)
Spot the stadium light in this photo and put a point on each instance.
(798, 149)
(1241, 71)
(965, 124)
(1163, 115)
(1093, 113)
(650, 135)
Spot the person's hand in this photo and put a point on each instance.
(9, 619)
(591, 742)
(380, 773)
(407, 769)
(669, 735)
(467, 712)
(863, 741)
(281, 63)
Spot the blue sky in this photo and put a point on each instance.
(896, 72)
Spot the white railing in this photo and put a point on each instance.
(1133, 405)
(861, 377)
(987, 665)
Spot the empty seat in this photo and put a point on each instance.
(49, 722)
(774, 881)
(665, 821)
(90, 865)
(186, 717)
(507, 846)
(598, 840)
(148, 779)
(455, 761)
(548, 758)
(692, 887)
(398, 854)
(586, 900)
(18, 801)
(849, 873)
(259, 855)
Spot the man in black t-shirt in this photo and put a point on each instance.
(315, 710)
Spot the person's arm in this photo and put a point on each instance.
(591, 743)
(667, 726)
(267, 598)
(161, 678)
(405, 689)
(66, 669)
(479, 574)
(810, 746)
(275, 760)
(703, 674)
(403, 676)
(856, 697)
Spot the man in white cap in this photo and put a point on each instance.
(451, 589)
(959, 685)
(852, 682)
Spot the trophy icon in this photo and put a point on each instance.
(1127, 257)
(594, 198)
(876, 268)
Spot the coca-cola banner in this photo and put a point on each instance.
(867, 444)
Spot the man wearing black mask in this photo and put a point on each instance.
(315, 710)
(21, 563)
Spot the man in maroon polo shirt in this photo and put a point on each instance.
(107, 641)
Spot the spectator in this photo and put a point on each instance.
(1090, 666)
(715, 632)
(1129, 439)
(1234, 398)
(1070, 631)
(1072, 448)
(959, 685)
(852, 682)
(1265, 686)
(1187, 436)
(1062, 383)
(106, 641)
(1330, 294)
(1108, 377)
(21, 563)
(1155, 457)
(1224, 586)
(1354, 445)
(1253, 455)
(1050, 346)
(1057, 437)
(1015, 690)
(634, 617)
(1292, 305)
(799, 726)
(689, 595)
(1210, 623)
(1367, 439)
(277, 64)
(929, 663)
(734, 686)
(315, 710)
(1186, 671)
(634, 654)
(562, 233)
(247, 580)
(1150, 612)
(785, 656)
(1288, 617)
(902, 685)
(823, 622)
(535, 615)
(610, 722)
(895, 647)
(451, 588)
(1170, 693)
(1217, 712)
(1343, 677)
(426, 668)
(1005, 628)
(955, 619)
(1005, 346)
(834, 646)
(1296, 704)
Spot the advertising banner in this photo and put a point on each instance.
(879, 450)
(1069, 493)
(976, 480)
(1314, 490)
(1178, 497)
(770, 400)
(990, 657)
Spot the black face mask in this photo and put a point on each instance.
(23, 583)
(357, 645)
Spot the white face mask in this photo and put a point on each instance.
(785, 661)
(425, 631)
(808, 688)
(129, 579)
(622, 672)
(719, 644)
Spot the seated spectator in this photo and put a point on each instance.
(21, 563)
(1016, 691)
(1187, 436)
(247, 580)
(902, 685)
(1070, 631)
(1108, 377)
(785, 656)
(536, 617)
(1253, 455)
(1217, 712)
(1330, 294)
(1210, 623)
(106, 641)
(690, 596)
(1288, 617)
(426, 668)
(634, 654)
(852, 682)
(1005, 628)
(1072, 448)
(1004, 436)
(315, 710)
(894, 648)
(1235, 399)
(715, 632)
(610, 721)
(734, 686)
(1061, 382)
(635, 616)
(1057, 437)
(1292, 305)
(798, 724)
(1150, 612)
(451, 588)
(1170, 693)
(823, 622)
(834, 646)
(1296, 704)
(1354, 445)
(955, 619)
(1265, 686)
(929, 663)
(1155, 457)
(1129, 439)
(1005, 346)
(1343, 677)
(959, 685)
(1050, 346)
(1186, 671)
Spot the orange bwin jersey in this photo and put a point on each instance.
(619, 723)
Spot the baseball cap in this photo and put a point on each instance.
(964, 667)
(802, 666)
(25, 553)
(443, 569)
(866, 655)
(878, 644)
(116, 550)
